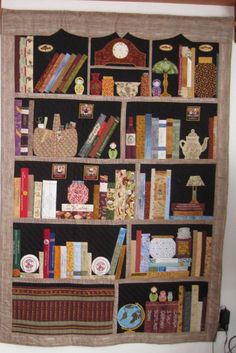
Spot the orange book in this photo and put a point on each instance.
(45, 73)
(57, 262)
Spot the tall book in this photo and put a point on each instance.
(37, 204)
(158, 194)
(120, 262)
(169, 137)
(145, 246)
(49, 196)
(77, 256)
(141, 196)
(69, 259)
(132, 256)
(24, 184)
(148, 137)
(31, 196)
(162, 139)
(140, 136)
(180, 308)
(187, 311)
(208, 256)
(29, 70)
(168, 193)
(16, 252)
(138, 250)
(51, 254)
(57, 262)
(194, 308)
(155, 124)
(117, 250)
(103, 196)
(16, 197)
(176, 138)
(63, 262)
(46, 254)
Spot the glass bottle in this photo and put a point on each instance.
(130, 139)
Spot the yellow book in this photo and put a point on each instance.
(16, 198)
(180, 308)
(140, 136)
(57, 262)
(194, 308)
(70, 259)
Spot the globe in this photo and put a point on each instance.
(130, 316)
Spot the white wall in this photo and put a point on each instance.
(228, 292)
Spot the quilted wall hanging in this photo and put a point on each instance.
(114, 177)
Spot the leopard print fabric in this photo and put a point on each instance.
(205, 80)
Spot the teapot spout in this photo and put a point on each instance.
(204, 145)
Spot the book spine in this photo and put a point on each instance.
(155, 124)
(141, 196)
(162, 139)
(18, 105)
(63, 268)
(103, 196)
(148, 323)
(194, 308)
(120, 193)
(107, 137)
(138, 250)
(46, 245)
(148, 137)
(90, 140)
(38, 186)
(30, 196)
(49, 196)
(74, 73)
(68, 73)
(29, 64)
(96, 201)
(45, 73)
(110, 208)
(187, 311)
(16, 252)
(180, 71)
(147, 200)
(69, 259)
(140, 135)
(17, 197)
(176, 138)
(117, 250)
(145, 245)
(180, 308)
(208, 255)
(24, 132)
(57, 262)
(51, 254)
(77, 267)
(169, 137)
(24, 176)
(168, 193)
(22, 65)
(120, 262)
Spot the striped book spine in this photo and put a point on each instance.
(46, 72)
(155, 124)
(73, 73)
(148, 137)
(64, 59)
(140, 136)
(62, 73)
(162, 139)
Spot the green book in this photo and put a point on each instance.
(117, 250)
(74, 73)
(16, 252)
(108, 136)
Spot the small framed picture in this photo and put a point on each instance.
(193, 113)
(91, 172)
(86, 111)
(59, 171)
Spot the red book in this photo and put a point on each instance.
(103, 135)
(147, 199)
(46, 252)
(138, 250)
(45, 73)
(24, 185)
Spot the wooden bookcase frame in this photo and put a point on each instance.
(87, 24)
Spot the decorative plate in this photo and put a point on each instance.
(29, 263)
(162, 248)
(100, 266)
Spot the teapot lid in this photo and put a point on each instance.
(192, 134)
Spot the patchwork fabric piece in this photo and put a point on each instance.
(55, 310)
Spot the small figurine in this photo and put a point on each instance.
(112, 152)
(162, 296)
(153, 296)
(79, 85)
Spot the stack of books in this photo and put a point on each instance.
(60, 73)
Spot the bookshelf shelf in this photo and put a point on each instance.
(157, 222)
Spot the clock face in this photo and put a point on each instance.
(120, 50)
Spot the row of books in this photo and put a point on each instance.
(154, 138)
(186, 314)
(24, 53)
(34, 199)
(60, 72)
(195, 260)
(71, 260)
(99, 136)
(154, 195)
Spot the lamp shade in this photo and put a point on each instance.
(165, 67)
(195, 180)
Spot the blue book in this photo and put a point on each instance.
(51, 254)
(57, 72)
(145, 255)
(148, 136)
(141, 196)
(116, 253)
(77, 260)
(155, 123)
